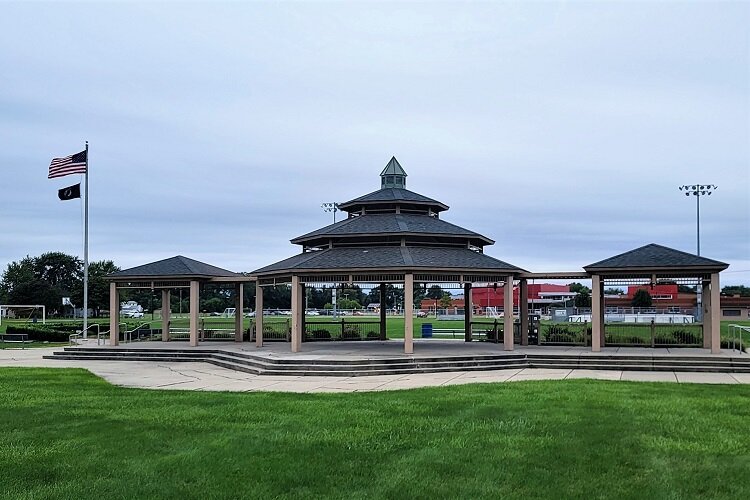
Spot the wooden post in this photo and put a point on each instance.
(296, 325)
(409, 313)
(523, 310)
(166, 314)
(194, 310)
(258, 315)
(596, 314)
(239, 300)
(715, 314)
(468, 311)
(383, 322)
(114, 314)
(508, 314)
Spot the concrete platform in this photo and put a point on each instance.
(207, 377)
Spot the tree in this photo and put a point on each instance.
(435, 292)
(583, 299)
(98, 286)
(44, 280)
(613, 291)
(578, 288)
(446, 300)
(641, 298)
(742, 291)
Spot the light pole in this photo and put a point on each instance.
(698, 190)
(331, 207)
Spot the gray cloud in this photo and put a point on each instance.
(217, 131)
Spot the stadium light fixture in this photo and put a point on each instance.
(698, 190)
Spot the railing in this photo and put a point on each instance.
(216, 329)
(565, 333)
(141, 333)
(341, 330)
(491, 331)
(654, 334)
(734, 341)
(279, 331)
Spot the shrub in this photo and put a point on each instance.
(320, 334)
(350, 333)
(41, 334)
(371, 335)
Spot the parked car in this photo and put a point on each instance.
(312, 313)
(250, 314)
(358, 313)
(421, 314)
(132, 314)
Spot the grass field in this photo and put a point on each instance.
(68, 434)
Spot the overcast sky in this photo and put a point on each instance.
(560, 130)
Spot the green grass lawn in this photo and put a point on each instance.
(30, 345)
(67, 434)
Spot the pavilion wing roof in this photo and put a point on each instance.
(395, 257)
(391, 195)
(655, 256)
(391, 224)
(175, 266)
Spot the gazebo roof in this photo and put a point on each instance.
(391, 224)
(393, 168)
(341, 259)
(653, 257)
(175, 267)
(390, 195)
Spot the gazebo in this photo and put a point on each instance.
(391, 236)
(166, 275)
(653, 264)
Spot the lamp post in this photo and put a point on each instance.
(331, 207)
(698, 190)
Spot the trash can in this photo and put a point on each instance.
(426, 330)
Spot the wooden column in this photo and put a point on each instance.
(523, 310)
(596, 313)
(166, 314)
(715, 314)
(239, 299)
(114, 314)
(409, 313)
(508, 314)
(383, 311)
(194, 310)
(258, 315)
(296, 306)
(468, 311)
(706, 311)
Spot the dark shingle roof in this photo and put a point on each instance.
(393, 168)
(656, 256)
(391, 195)
(391, 224)
(175, 266)
(389, 258)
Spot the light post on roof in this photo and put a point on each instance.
(698, 190)
(331, 207)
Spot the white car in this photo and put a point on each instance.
(132, 314)
(312, 313)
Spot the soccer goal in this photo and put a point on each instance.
(23, 313)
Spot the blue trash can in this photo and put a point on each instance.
(426, 330)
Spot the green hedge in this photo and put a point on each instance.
(41, 334)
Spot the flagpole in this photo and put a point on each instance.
(86, 249)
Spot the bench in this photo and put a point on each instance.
(21, 338)
(458, 333)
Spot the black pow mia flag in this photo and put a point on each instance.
(70, 192)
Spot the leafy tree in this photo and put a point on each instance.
(435, 292)
(578, 288)
(741, 290)
(98, 286)
(348, 304)
(613, 291)
(43, 280)
(583, 299)
(446, 300)
(641, 298)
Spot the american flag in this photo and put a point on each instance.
(73, 164)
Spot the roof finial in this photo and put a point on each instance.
(393, 175)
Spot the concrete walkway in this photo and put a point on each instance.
(207, 377)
